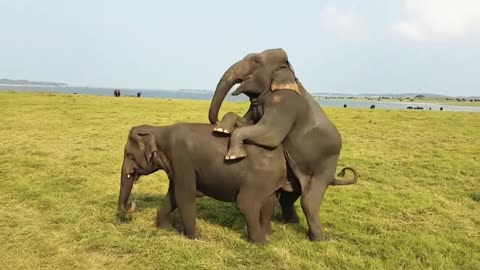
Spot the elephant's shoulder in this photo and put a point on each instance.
(282, 96)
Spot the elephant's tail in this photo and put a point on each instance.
(343, 182)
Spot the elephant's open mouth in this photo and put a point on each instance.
(240, 83)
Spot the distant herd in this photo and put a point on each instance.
(408, 108)
(116, 93)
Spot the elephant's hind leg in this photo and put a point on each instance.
(311, 200)
(250, 208)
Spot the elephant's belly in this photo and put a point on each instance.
(218, 190)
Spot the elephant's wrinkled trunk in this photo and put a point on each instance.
(125, 190)
(232, 76)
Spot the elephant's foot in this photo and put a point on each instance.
(291, 217)
(268, 230)
(236, 153)
(258, 239)
(315, 237)
(224, 127)
(164, 223)
(222, 130)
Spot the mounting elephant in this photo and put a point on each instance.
(192, 157)
(282, 112)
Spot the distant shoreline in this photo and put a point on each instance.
(207, 95)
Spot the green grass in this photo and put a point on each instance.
(416, 205)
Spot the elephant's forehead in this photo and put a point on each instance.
(275, 53)
(250, 55)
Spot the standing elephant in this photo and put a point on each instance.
(192, 157)
(282, 112)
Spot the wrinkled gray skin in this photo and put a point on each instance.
(192, 157)
(282, 112)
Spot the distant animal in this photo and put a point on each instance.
(372, 107)
(441, 108)
(75, 93)
(409, 107)
(139, 94)
(344, 105)
(116, 92)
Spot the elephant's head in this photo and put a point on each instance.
(141, 157)
(257, 72)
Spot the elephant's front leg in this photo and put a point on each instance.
(287, 201)
(251, 208)
(230, 121)
(163, 215)
(280, 112)
(267, 213)
(185, 193)
(227, 124)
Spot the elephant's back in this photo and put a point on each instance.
(220, 178)
(199, 137)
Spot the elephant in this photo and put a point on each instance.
(192, 157)
(116, 93)
(282, 112)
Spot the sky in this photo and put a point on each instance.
(343, 46)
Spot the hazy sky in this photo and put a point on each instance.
(344, 46)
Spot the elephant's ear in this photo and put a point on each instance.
(147, 144)
(284, 78)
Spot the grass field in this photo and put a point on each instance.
(416, 205)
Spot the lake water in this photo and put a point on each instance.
(207, 95)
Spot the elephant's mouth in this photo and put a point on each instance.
(239, 89)
(133, 175)
(137, 173)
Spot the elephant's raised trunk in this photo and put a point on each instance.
(232, 76)
(125, 190)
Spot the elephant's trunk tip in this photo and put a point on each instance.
(130, 210)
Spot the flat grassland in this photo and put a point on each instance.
(416, 205)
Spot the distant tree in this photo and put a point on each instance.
(419, 96)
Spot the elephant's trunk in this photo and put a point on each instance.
(125, 190)
(342, 182)
(233, 75)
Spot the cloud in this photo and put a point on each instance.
(345, 23)
(439, 19)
